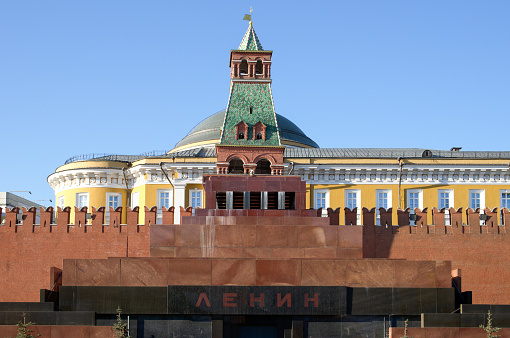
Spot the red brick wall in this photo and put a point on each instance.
(480, 252)
(28, 252)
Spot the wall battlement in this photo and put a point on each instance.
(476, 224)
(84, 222)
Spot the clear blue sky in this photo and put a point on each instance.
(128, 77)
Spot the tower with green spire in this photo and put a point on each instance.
(250, 123)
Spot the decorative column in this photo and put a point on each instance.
(179, 200)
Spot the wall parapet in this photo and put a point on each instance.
(84, 222)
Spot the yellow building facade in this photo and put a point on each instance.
(373, 178)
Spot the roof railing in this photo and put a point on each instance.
(115, 157)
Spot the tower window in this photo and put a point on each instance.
(251, 109)
(240, 136)
(259, 131)
(258, 67)
(244, 67)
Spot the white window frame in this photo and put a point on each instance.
(159, 214)
(190, 198)
(482, 198)
(447, 220)
(61, 202)
(113, 194)
(377, 205)
(326, 200)
(408, 199)
(502, 200)
(107, 208)
(502, 203)
(78, 197)
(357, 200)
(482, 201)
(420, 198)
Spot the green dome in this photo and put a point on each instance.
(210, 130)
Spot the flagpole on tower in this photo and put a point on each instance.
(247, 17)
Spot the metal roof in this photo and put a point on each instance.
(395, 153)
(390, 153)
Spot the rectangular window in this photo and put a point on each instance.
(383, 200)
(505, 199)
(352, 200)
(445, 200)
(195, 198)
(112, 200)
(414, 199)
(165, 199)
(61, 202)
(82, 199)
(321, 200)
(477, 199)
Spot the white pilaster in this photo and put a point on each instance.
(179, 201)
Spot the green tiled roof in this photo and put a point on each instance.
(243, 96)
(250, 40)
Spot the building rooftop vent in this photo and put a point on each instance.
(456, 149)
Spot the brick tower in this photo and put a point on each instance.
(250, 140)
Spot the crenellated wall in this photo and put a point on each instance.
(30, 252)
(480, 251)
(31, 255)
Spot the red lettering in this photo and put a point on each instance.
(203, 297)
(287, 299)
(315, 300)
(228, 298)
(253, 300)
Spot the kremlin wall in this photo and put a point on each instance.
(478, 251)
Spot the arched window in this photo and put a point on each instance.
(244, 67)
(258, 68)
(236, 166)
(259, 136)
(426, 153)
(263, 167)
(240, 136)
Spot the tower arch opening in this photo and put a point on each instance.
(263, 167)
(259, 70)
(243, 69)
(236, 166)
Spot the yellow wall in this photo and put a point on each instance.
(97, 198)
(148, 196)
